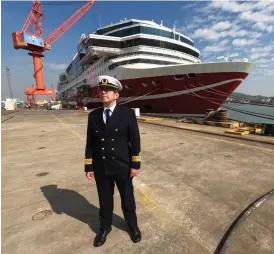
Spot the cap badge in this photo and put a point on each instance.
(104, 81)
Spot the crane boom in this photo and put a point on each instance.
(67, 24)
(35, 18)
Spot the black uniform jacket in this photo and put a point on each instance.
(113, 148)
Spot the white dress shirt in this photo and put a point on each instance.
(110, 113)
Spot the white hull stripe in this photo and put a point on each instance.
(172, 94)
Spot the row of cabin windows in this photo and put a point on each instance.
(139, 42)
(149, 30)
(74, 70)
(151, 61)
(158, 82)
(150, 54)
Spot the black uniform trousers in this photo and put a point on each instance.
(105, 187)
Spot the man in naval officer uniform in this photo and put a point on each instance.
(112, 155)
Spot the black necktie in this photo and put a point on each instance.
(107, 111)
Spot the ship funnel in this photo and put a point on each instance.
(161, 22)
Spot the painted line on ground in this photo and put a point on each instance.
(13, 128)
(240, 144)
(75, 133)
(215, 139)
(54, 183)
(10, 192)
(149, 203)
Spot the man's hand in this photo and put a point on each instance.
(90, 175)
(134, 172)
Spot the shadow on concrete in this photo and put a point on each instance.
(71, 203)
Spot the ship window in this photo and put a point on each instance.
(114, 27)
(145, 85)
(154, 54)
(149, 30)
(128, 86)
(155, 82)
(158, 43)
(114, 65)
(148, 107)
(179, 77)
(141, 41)
(191, 75)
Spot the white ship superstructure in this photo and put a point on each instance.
(144, 55)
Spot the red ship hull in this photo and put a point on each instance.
(186, 95)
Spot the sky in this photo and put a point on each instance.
(217, 28)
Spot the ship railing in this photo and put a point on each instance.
(167, 58)
(133, 56)
(146, 48)
(169, 51)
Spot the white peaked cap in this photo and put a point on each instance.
(108, 81)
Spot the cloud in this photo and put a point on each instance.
(188, 6)
(233, 6)
(264, 61)
(262, 52)
(264, 27)
(262, 65)
(221, 46)
(55, 66)
(216, 33)
(205, 33)
(267, 72)
(257, 17)
(258, 13)
(230, 6)
(244, 42)
(266, 49)
(223, 25)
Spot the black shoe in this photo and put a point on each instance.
(101, 238)
(135, 235)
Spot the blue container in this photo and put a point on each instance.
(31, 39)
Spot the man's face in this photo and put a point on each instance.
(108, 95)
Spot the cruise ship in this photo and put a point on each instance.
(159, 68)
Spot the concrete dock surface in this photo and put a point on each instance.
(190, 189)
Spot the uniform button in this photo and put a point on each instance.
(103, 148)
(102, 139)
(113, 158)
(112, 139)
(116, 129)
(112, 149)
(103, 157)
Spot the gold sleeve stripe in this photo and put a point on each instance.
(88, 161)
(136, 158)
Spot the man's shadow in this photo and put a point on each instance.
(71, 203)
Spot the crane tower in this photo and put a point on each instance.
(31, 38)
(9, 81)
